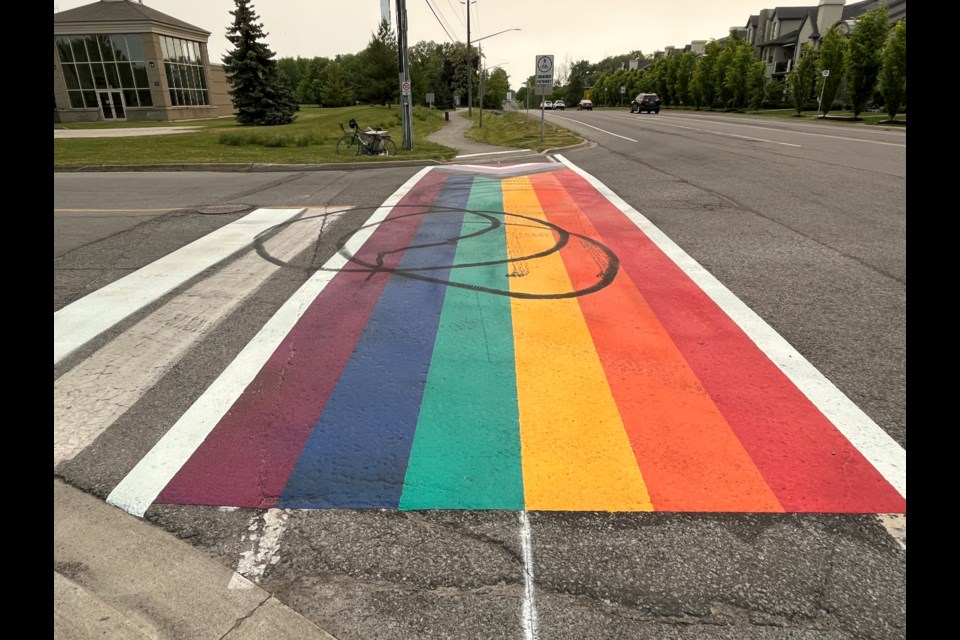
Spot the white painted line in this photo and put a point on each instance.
(882, 451)
(491, 153)
(264, 547)
(94, 394)
(529, 612)
(137, 491)
(81, 321)
(609, 133)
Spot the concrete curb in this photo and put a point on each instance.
(120, 577)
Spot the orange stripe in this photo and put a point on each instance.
(690, 458)
(576, 455)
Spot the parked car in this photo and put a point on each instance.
(546, 104)
(585, 105)
(649, 102)
(559, 105)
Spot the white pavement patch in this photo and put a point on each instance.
(93, 395)
(896, 526)
(137, 491)
(264, 545)
(876, 445)
(80, 321)
(529, 611)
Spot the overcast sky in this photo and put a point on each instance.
(570, 30)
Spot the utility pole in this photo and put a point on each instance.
(406, 108)
(469, 68)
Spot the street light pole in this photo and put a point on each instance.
(469, 66)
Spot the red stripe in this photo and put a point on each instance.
(689, 457)
(246, 459)
(808, 463)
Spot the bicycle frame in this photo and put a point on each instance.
(374, 142)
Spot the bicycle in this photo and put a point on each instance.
(372, 142)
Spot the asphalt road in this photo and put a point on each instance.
(804, 223)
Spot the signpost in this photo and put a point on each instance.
(544, 65)
(826, 74)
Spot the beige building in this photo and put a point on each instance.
(116, 60)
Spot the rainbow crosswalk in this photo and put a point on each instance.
(508, 338)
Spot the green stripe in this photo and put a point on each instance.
(466, 449)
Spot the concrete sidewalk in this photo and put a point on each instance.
(454, 135)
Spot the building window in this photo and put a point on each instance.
(183, 65)
(99, 62)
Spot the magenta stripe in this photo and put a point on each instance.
(246, 459)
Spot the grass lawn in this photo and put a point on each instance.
(310, 139)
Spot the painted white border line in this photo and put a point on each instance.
(882, 451)
(82, 320)
(137, 491)
(528, 613)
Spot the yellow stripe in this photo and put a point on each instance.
(576, 455)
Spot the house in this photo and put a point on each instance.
(777, 35)
(116, 60)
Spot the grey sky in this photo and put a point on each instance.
(570, 30)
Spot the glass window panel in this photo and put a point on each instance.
(76, 100)
(181, 52)
(130, 97)
(140, 76)
(197, 57)
(113, 76)
(205, 98)
(181, 99)
(168, 69)
(63, 49)
(70, 76)
(165, 47)
(90, 99)
(99, 76)
(135, 46)
(173, 97)
(119, 44)
(79, 50)
(146, 100)
(191, 77)
(93, 49)
(126, 75)
(106, 48)
(203, 78)
(86, 78)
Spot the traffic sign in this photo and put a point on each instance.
(544, 70)
(405, 87)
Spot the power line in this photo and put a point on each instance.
(440, 21)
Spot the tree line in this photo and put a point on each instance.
(868, 66)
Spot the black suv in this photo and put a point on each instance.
(649, 102)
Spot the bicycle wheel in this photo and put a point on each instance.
(389, 147)
(348, 146)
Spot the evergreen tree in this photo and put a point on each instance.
(893, 73)
(863, 58)
(260, 94)
(381, 68)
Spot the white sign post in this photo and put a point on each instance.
(826, 74)
(544, 82)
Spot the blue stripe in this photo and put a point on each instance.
(357, 455)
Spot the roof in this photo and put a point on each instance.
(897, 9)
(119, 11)
(794, 13)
